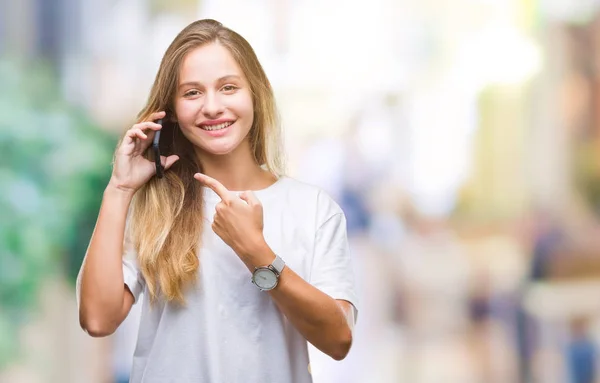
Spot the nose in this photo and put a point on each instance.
(212, 107)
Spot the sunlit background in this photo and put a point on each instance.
(461, 138)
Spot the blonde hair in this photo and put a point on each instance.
(166, 219)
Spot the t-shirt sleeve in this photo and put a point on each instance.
(332, 270)
(132, 276)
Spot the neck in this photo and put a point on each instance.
(237, 171)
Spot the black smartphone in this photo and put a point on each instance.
(160, 171)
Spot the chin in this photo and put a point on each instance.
(217, 150)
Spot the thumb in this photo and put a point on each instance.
(250, 198)
(167, 162)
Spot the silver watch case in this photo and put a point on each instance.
(267, 277)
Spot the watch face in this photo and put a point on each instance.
(265, 279)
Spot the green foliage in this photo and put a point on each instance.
(587, 173)
(53, 168)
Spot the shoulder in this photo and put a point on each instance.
(310, 197)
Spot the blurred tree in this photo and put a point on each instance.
(55, 163)
(587, 172)
(184, 7)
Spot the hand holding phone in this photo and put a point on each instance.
(131, 167)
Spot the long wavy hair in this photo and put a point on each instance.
(166, 219)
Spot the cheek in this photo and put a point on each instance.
(249, 107)
(246, 110)
(186, 113)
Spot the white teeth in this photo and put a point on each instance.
(216, 127)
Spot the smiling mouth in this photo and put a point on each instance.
(216, 127)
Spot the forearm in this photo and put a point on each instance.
(102, 284)
(316, 315)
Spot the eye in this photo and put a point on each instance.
(191, 93)
(229, 88)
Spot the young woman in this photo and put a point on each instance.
(239, 265)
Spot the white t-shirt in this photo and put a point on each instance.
(230, 331)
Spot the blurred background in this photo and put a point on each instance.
(461, 138)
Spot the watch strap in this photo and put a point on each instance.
(278, 264)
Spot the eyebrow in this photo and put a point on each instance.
(221, 79)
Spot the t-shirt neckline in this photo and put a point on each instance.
(261, 194)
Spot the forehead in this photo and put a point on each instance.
(208, 63)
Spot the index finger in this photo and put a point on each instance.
(215, 185)
(157, 115)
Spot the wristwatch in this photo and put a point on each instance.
(267, 277)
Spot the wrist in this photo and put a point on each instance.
(116, 190)
(115, 187)
(258, 254)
